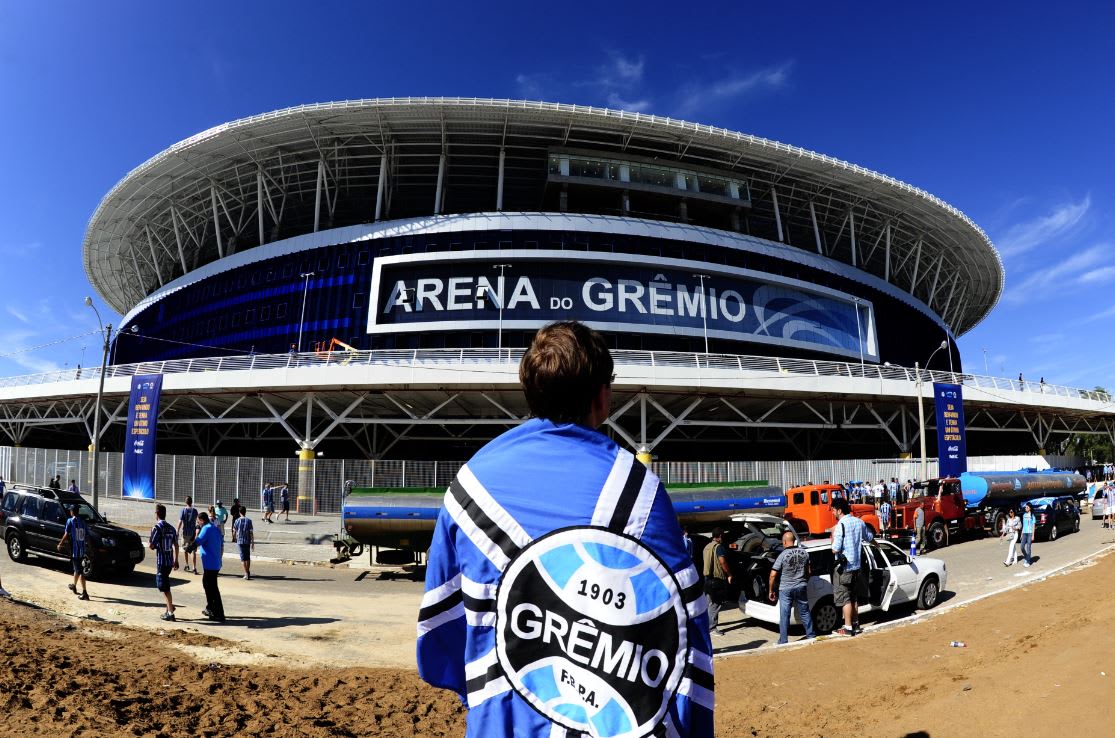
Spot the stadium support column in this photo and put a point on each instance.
(306, 463)
(440, 184)
(816, 228)
(499, 182)
(380, 185)
(777, 215)
(259, 204)
(317, 193)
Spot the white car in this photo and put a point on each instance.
(893, 579)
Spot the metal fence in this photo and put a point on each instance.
(210, 478)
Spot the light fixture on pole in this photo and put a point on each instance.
(106, 334)
(986, 370)
(948, 347)
(704, 308)
(500, 300)
(302, 320)
(921, 408)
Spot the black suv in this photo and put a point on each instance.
(33, 520)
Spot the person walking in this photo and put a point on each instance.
(885, 512)
(919, 529)
(718, 578)
(1028, 534)
(233, 514)
(793, 566)
(245, 540)
(1011, 526)
(187, 529)
(76, 532)
(73, 487)
(211, 541)
(1109, 505)
(553, 523)
(268, 502)
(221, 516)
(849, 580)
(164, 542)
(284, 499)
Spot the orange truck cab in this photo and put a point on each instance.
(812, 504)
(946, 513)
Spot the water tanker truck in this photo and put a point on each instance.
(976, 501)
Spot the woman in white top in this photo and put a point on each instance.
(1011, 526)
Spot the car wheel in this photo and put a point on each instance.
(929, 594)
(16, 549)
(1053, 532)
(357, 549)
(88, 566)
(936, 534)
(826, 617)
(758, 589)
(1076, 526)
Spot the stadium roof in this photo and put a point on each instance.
(313, 167)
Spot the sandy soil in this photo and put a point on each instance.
(1038, 658)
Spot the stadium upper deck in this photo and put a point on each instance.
(312, 168)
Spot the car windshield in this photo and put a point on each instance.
(85, 511)
(894, 555)
(771, 530)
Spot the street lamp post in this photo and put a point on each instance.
(921, 408)
(499, 298)
(986, 370)
(106, 334)
(302, 320)
(704, 308)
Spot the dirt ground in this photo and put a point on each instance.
(1038, 659)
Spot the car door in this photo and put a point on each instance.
(903, 574)
(30, 523)
(52, 524)
(878, 576)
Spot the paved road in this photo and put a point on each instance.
(362, 616)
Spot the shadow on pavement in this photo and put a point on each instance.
(750, 645)
(276, 622)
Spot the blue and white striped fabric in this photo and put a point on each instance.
(188, 516)
(77, 530)
(164, 537)
(242, 529)
(507, 502)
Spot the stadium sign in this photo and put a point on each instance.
(527, 289)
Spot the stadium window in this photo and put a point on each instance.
(288, 270)
(505, 245)
(456, 246)
(362, 258)
(480, 245)
(250, 316)
(358, 300)
(235, 319)
(342, 261)
(304, 267)
(323, 264)
(221, 323)
(280, 311)
(265, 313)
(270, 275)
(530, 245)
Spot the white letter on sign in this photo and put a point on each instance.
(605, 302)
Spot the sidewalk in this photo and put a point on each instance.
(302, 539)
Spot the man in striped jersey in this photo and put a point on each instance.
(76, 533)
(560, 600)
(187, 528)
(164, 542)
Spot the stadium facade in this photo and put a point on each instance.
(453, 223)
(360, 278)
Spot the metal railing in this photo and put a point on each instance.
(628, 364)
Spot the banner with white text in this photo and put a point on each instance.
(952, 450)
(139, 441)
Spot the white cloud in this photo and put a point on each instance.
(19, 249)
(698, 96)
(15, 313)
(1057, 280)
(1107, 313)
(531, 86)
(622, 71)
(1023, 237)
(1103, 274)
(635, 106)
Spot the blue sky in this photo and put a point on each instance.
(1005, 112)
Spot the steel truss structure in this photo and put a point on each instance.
(444, 404)
(316, 167)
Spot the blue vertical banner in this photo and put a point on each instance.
(139, 443)
(952, 447)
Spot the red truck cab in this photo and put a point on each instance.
(946, 512)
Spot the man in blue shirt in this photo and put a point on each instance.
(164, 542)
(284, 498)
(560, 600)
(268, 502)
(1027, 533)
(76, 533)
(211, 542)
(849, 580)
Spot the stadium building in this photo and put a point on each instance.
(365, 275)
